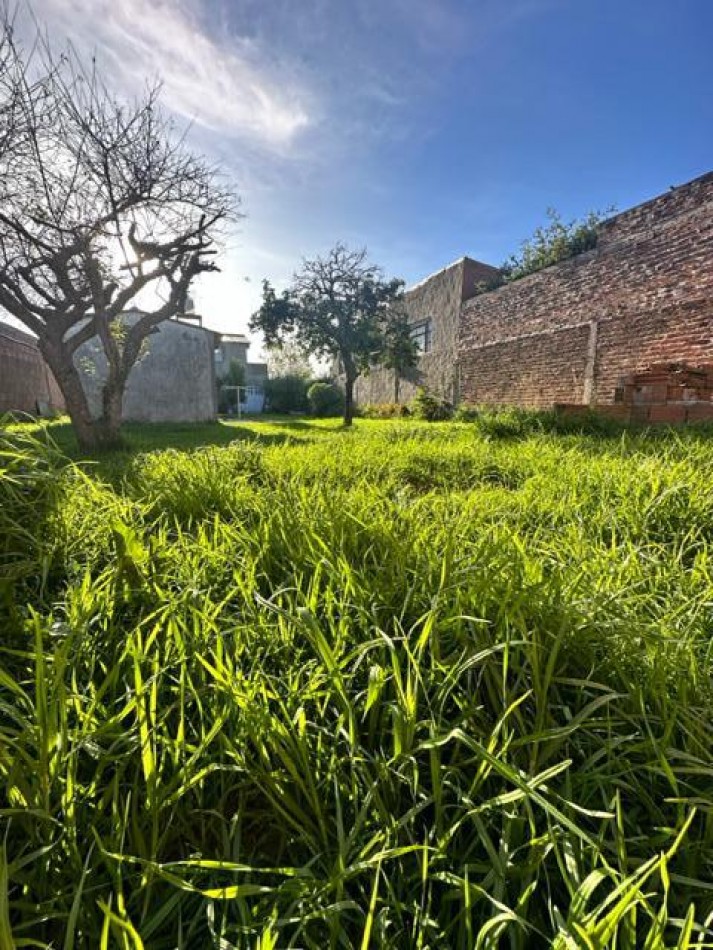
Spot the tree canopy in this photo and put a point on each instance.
(338, 307)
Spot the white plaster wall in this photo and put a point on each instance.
(174, 381)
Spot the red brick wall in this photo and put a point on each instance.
(549, 367)
(26, 384)
(648, 284)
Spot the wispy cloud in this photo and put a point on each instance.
(228, 83)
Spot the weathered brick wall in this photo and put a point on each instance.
(550, 367)
(647, 286)
(26, 383)
(438, 298)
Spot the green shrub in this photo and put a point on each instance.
(467, 413)
(325, 399)
(287, 393)
(384, 410)
(430, 407)
(556, 241)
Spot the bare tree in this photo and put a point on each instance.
(100, 202)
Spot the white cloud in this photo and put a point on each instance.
(226, 83)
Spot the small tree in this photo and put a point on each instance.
(99, 203)
(400, 352)
(338, 306)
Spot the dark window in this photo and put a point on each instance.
(421, 335)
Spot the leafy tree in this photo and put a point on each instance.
(400, 352)
(338, 307)
(100, 202)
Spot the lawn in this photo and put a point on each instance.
(282, 684)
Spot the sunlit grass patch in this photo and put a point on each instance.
(404, 686)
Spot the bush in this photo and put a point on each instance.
(431, 407)
(384, 410)
(325, 399)
(467, 413)
(515, 422)
(556, 241)
(287, 393)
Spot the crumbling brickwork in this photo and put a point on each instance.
(570, 332)
(26, 383)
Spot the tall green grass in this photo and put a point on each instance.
(406, 686)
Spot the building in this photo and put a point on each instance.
(26, 381)
(433, 307)
(233, 348)
(576, 331)
(172, 381)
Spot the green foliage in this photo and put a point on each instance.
(384, 410)
(399, 350)
(556, 241)
(430, 407)
(406, 685)
(325, 399)
(287, 393)
(521, 423)
(466, 413)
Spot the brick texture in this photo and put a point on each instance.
(438, 298)
(648, 287)
(26, 383)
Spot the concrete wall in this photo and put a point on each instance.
(256, 374)
(227, 351)
(174, 381)
(438, 298)
(26, 382)
(570, 332)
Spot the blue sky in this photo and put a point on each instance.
(423, 129)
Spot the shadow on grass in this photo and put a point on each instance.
(112, 464)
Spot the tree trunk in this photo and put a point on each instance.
(91, 433)
(349, 399)
(108, 427)
(397, 385)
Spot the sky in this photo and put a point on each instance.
(424, 130)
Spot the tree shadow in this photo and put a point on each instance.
(112, 464)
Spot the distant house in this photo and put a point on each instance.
(172, 381)
(233, 348)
